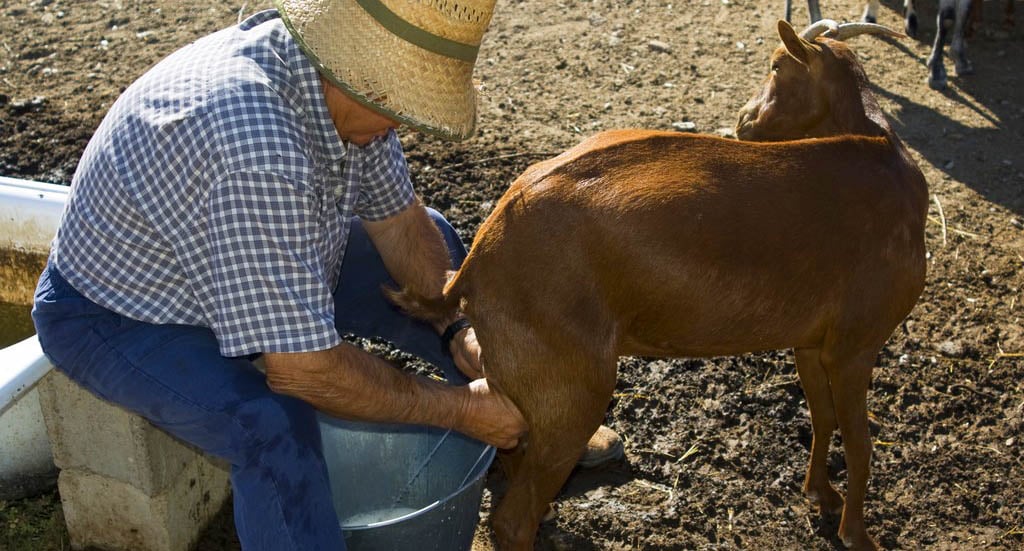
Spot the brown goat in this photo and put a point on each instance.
(665, 244)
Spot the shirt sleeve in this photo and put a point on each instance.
(262, 281)
(385, 188)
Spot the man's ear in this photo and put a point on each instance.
(797, 47)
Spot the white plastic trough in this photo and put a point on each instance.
(29, 214)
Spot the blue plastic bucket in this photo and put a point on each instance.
(404, 487)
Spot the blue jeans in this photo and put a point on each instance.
(174, 376)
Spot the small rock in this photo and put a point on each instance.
(948, 165)
(1015, 222)
(659, 46)
(685, 126)
(19, 107)
(726, 132)
(953, 349)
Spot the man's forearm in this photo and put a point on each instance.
(349, 383)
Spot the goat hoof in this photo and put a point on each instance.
(965, 69)
(862, 542)
(937, 84)
(549, 515)
(829, 502)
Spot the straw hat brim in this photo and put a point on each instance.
(431, 92)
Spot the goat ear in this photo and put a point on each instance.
(796, 46)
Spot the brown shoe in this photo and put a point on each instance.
(604, 446)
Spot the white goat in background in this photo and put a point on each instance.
(952, 15)
(870, 11)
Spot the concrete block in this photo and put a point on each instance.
(91, 435)
(26, 461)
(111, 514)
(125, 484)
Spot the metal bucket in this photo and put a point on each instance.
(404, 487)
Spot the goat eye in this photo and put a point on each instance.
(775, 67)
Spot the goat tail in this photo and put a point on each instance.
(436, 310)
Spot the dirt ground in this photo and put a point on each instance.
(715, 449)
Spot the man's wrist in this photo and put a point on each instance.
(451, 330)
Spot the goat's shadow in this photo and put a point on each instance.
(987, 158)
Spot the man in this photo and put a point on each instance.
(248, 196)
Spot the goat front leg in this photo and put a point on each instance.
(870, 12)
(909, 18)
(936, 68)
(849, 381)
(814, 10)
(814, 380)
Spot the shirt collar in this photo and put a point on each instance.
(311, 89)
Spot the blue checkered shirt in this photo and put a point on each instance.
(216, 192)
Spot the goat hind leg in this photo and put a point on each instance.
(849, 381)
(958, 47)
(564, 401)
(814, 380)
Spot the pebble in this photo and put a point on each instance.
(659, 46)
(685, 126)
(19, 107)
(726, 132)
(953, 349)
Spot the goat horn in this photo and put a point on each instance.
(818, 28)
(849, 30)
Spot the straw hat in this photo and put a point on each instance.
(411, 60)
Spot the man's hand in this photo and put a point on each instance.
(491, 417)
(466, 353)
